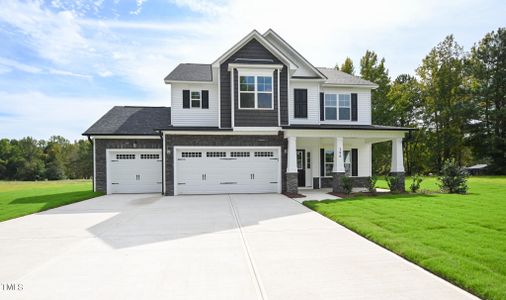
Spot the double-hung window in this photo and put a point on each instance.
(344, 106)
(329, 162)
(255, 92)
(195, 99)
(338, 107)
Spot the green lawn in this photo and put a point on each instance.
(20, 198)
(461, 238)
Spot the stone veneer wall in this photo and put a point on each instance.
(357, 181)
(101, 145)
(221, 141)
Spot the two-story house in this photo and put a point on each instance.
(259, 119)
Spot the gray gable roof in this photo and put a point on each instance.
(191, 72)
(340, 78)
(131, 120)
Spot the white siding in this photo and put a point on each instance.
(194, 116)
(363, 105)
(313, 102)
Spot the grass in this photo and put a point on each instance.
(20, 198)
(461, 238)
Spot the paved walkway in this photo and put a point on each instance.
(201, 247)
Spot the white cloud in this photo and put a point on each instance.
(138, 10)
(19, 66)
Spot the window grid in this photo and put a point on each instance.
(239, 154)
(191, 154)
(216, 154)
(150, 156)
(338, 107)
(195, 99)
(264, 154)
(255, 92)
(125, 156)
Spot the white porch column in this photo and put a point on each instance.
(338, 156)
(292, 155)
(397, 156)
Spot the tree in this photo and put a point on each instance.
(347, 66)
(446, 105)
(374, 70)
(487, 69)
(28, 160)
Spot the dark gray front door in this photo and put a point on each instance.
(301, 167)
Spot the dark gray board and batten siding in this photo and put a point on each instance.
(261, 118)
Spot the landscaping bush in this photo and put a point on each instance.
(453, 178)
(393, 182)
(371, 184)
(415, 184)
(347, 184)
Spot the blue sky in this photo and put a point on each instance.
(63, 63)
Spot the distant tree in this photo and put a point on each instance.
(347, 66)
(28, 160)
(374, 70)
(487, 70)
(446, 104)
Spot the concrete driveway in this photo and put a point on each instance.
(201, 247)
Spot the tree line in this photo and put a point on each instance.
(56, 158)
(455, 98)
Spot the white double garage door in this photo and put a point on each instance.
(224, 170)
(197, 170)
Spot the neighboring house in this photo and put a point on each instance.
(259, 119)
(479, 169)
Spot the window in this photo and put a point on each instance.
(216, 154)
(264, 154)
(191, 154)
(337, 110)
(344, 106)
(300, 159)
(330, 107)
(150, 156)
(329, 162)
(125, 156)
(195, 99)
(255, 92)
(239, 154)
(300, 103)
(308, 160)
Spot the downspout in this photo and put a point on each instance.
(163, 161)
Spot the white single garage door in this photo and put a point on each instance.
(227, 170)
(134, 171)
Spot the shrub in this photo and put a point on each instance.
(393, 182)
(371, 184)
(453, 178)
(415, 184)
(347, 183)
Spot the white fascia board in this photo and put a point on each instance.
(125, 137)
(232, 66)
(327, 133)
(261, 40)
(308, 79)
(184, 132)
(330, 85)
(279, 38)
(189, 82)
(242, 129)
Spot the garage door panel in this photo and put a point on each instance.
(245, 173)
(135, 171)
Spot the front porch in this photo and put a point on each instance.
(321, 158)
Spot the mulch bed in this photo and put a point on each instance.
(367, 194)
(294, 195)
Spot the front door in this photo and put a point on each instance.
(301, 167)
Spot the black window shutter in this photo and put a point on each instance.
(205, 99)
(300, 103)
(322, 107)
(186, 98)
(354, 112)
(354, 162)
(322, 162)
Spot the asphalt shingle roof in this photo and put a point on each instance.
(131, 120)
(338, 77)
(191, 72)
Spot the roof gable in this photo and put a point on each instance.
(306, 69)
(260, 39)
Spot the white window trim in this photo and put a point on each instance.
(191, 99)
(332, 162)
(338, 106)
(255, 74)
